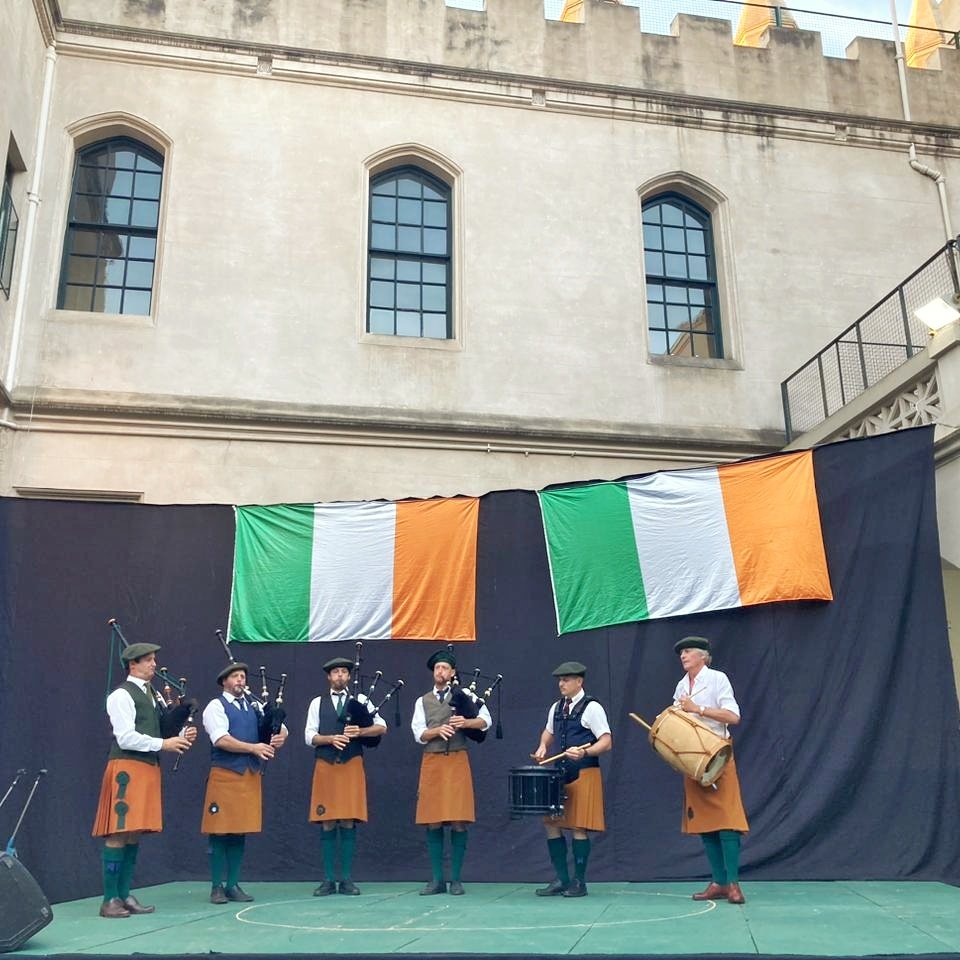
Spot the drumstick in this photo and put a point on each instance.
(550, 759)
(640, 720)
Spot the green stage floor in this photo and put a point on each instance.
(840, 918)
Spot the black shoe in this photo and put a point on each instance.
(576, 888)
(325, 889)
(349, 888)
(217, 895)
(237, 895)
(433, 887)
(456, 888)
(553, 889)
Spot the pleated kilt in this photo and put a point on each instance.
(706, 809)
(583, 805)
(129, 799)
(445, 791)
(233, 802)
(339, 791)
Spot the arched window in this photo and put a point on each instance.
(409, 263)
(111, 243)
(683, 312)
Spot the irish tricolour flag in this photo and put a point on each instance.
(685, 542)
(372, 570)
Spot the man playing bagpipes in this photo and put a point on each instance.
(244, 736)
(338, 725)
(130, 791)
(578, 725)
(445, 792)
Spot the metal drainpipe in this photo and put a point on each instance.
(33, 206)
(935, 175)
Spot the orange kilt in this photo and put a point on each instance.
(445, 791)
(233, 802)
(583, 805)
(133, 806)
(706, 810)
(339, 791)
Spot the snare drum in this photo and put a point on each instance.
(689, 746)
(535, 791)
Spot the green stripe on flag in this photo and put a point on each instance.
(593, 556)
(272, 559)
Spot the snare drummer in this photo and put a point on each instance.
(716, 814)
(577, 724)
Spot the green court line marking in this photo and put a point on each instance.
(586, 926)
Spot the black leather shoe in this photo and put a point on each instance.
(113, 909)
(349, 888)
(456, 888)
(325, 889)
(553, 889)
(576, 888)
(237, 895)
(217, 895)
(433, 887)
(133, 905)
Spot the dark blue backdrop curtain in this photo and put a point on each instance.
(848, 749)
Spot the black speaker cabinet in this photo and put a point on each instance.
(23, 907)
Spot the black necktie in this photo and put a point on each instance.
(441, 695)
(566, 707)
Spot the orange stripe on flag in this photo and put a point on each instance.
(435, 569)
(774, 523)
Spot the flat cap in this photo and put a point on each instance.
(570, 668)
(338, 662)
(441, 656)
(231, 668)
(692, 643)
(137, 650)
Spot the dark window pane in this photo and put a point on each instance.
(704, 346)
(90, 180)
(84, 241)
(408, 324)
(77, 298)
(408, 239)
(410, 211)
(139, 274)
(145, 213)
(113, 244)
(119, 183)
(384, 208)
(383, 237)
(381, 268)
(381, 321)
(122, 158)
(702, 322)
(88, 209)
(381, 293)
(435, 326)
(434, 298)
(107, 299)
(137, 302)
(147, 186)
(98, 155)
(81, 270)
(408, 270)
(408, 296)
(435, 214)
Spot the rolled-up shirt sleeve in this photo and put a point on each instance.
(419, 722)
(215, 720)
(122, 712)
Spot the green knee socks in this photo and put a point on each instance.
(458, 849)
(113, 858)
(711, 844)
(557, 846)
(435, 849)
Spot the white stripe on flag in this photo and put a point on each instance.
(351, 587)
(683, 543)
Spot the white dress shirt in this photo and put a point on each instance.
(313, 714)
(122, 712)
(419, 722)
(215, 720)
(711, 690)
(594, 717)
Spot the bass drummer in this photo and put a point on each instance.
(577, 725)
(715, 812)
